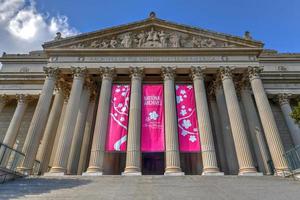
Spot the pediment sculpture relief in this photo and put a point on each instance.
(153, 39)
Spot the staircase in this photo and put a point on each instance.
(150, 187)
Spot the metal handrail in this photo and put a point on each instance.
(11, 159)
(293, 158)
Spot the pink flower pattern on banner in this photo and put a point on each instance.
(116, 139)
(187, 119)
(152, 119)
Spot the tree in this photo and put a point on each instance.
(296, 113)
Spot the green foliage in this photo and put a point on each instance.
(296, 113)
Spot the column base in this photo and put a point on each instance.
(174, 174)
(131, 173)
(24, 170)
(250, 174)
(58, 170)
(282, 172)
(212, 174)
(92, 174)
(54, 174)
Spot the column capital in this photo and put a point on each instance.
(107, 72)
(136, 72)
(225, 72)
(79, 72)
(51, 72)
(197, 72)
(168, 73)
(254, 72)
(23, 98)
(283, 98)
(211, 92)
(3, 98)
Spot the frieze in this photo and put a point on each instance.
(148, 59)
(152, 38)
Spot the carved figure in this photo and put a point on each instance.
(95, 44)
(163, 39)
(126, 41)
(141, 38)
(195, 42)
(113, 43)
(208, 43)
(104, 44)
(175, 40)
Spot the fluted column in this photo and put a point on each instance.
(209, 159)
(86, 137)
(46, 145)
(171, 132)
(268, 121)
(231, 157)
(258, 140)
(63, 149)
(133, 153)
(98, 146)
(14, 126)
(39, 120)
(3, 101)
(218, 131)
(284, 102)
(79, 131)
(58, 132)
(242, 148)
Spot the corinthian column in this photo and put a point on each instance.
(268, 121)
(242, 148)
(46, 145)
(287, 110)
(86, 137)
(60, 124)
(210, 166)
(39, 119)
(79, 131)
(133, 154)
(3, 101)
(226, 128)
(63, 149)
(171, 132)
(258, 140)
(14, 126)
(98, 146)
(217, 130)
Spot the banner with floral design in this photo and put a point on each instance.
(152, 118)
(189, 140)
(116, 139)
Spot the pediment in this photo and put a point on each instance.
(152, 33)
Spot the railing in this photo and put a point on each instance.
(293, 158)
(10, 159)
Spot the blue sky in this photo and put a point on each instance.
(275, 22)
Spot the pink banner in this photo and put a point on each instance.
(116, 139)
(152, 119)
(187, 119)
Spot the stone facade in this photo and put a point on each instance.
(229, 73)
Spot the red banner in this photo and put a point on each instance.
(116, 139)
(189, 140)
(152, 119)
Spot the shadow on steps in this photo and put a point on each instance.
(37, 186)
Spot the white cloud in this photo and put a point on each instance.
(23, 28)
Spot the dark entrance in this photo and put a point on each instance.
(153, 163)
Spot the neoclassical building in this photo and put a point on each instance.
(150, 97)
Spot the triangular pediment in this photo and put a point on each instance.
(152, 33)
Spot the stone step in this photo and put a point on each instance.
(150, 187)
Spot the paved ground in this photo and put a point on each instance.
(152, 187)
